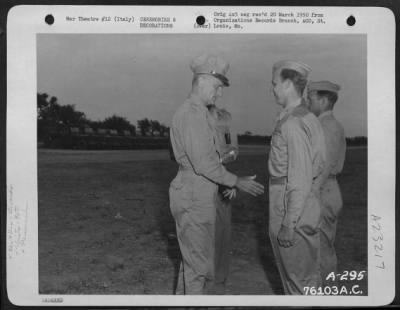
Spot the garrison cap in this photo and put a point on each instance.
(212, 65)
(323, 86)
(299, 67)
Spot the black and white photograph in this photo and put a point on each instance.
(202, 164)
(104, 168)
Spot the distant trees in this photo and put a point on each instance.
(51, 115)
(249, 138)
(266, 140)
(152, 127)
(117, 122)
(164, 130)
(144, 126)
(68, 115)
(49, 110)
(155, 126)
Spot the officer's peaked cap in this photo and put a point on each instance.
(212, 65)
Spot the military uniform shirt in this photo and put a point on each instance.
(335, 142)
(193, 142)
(297, 153)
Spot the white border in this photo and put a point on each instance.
(24, 22)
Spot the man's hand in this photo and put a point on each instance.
(248, 185)
(230, 193)
(286, 236)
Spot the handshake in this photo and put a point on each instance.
(246, 184)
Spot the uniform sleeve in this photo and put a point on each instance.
(334, 140)
(299, 170)
(201, 151)
(331, 141)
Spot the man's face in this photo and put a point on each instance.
(211, 89)
(314, 102)
(278, 88)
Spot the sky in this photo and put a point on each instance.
(148, 75)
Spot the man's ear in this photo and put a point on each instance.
(324, 103)
(287, 83)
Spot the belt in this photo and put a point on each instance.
(277, 180)
(283, 180)
(186, 171)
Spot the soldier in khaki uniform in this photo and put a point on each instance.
(322, 98)
(193, 192)
(227, 147)
(295, 163)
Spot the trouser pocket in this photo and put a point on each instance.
(180, 195)
(310, 219)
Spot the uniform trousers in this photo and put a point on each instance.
(192, 203)
(332, 203)
(298, 265)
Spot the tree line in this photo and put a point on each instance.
(249, 138)
(51, 115)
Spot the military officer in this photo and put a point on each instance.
(296, 160)
(227, 147)
(193, 192)
(322, 98)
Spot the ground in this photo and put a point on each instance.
(105, 226)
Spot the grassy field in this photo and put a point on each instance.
(105, 225)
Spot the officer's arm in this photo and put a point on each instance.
(332, 140)
(201, 151)
(326, 161)
(299, 170)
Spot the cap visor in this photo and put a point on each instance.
(222, 78)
